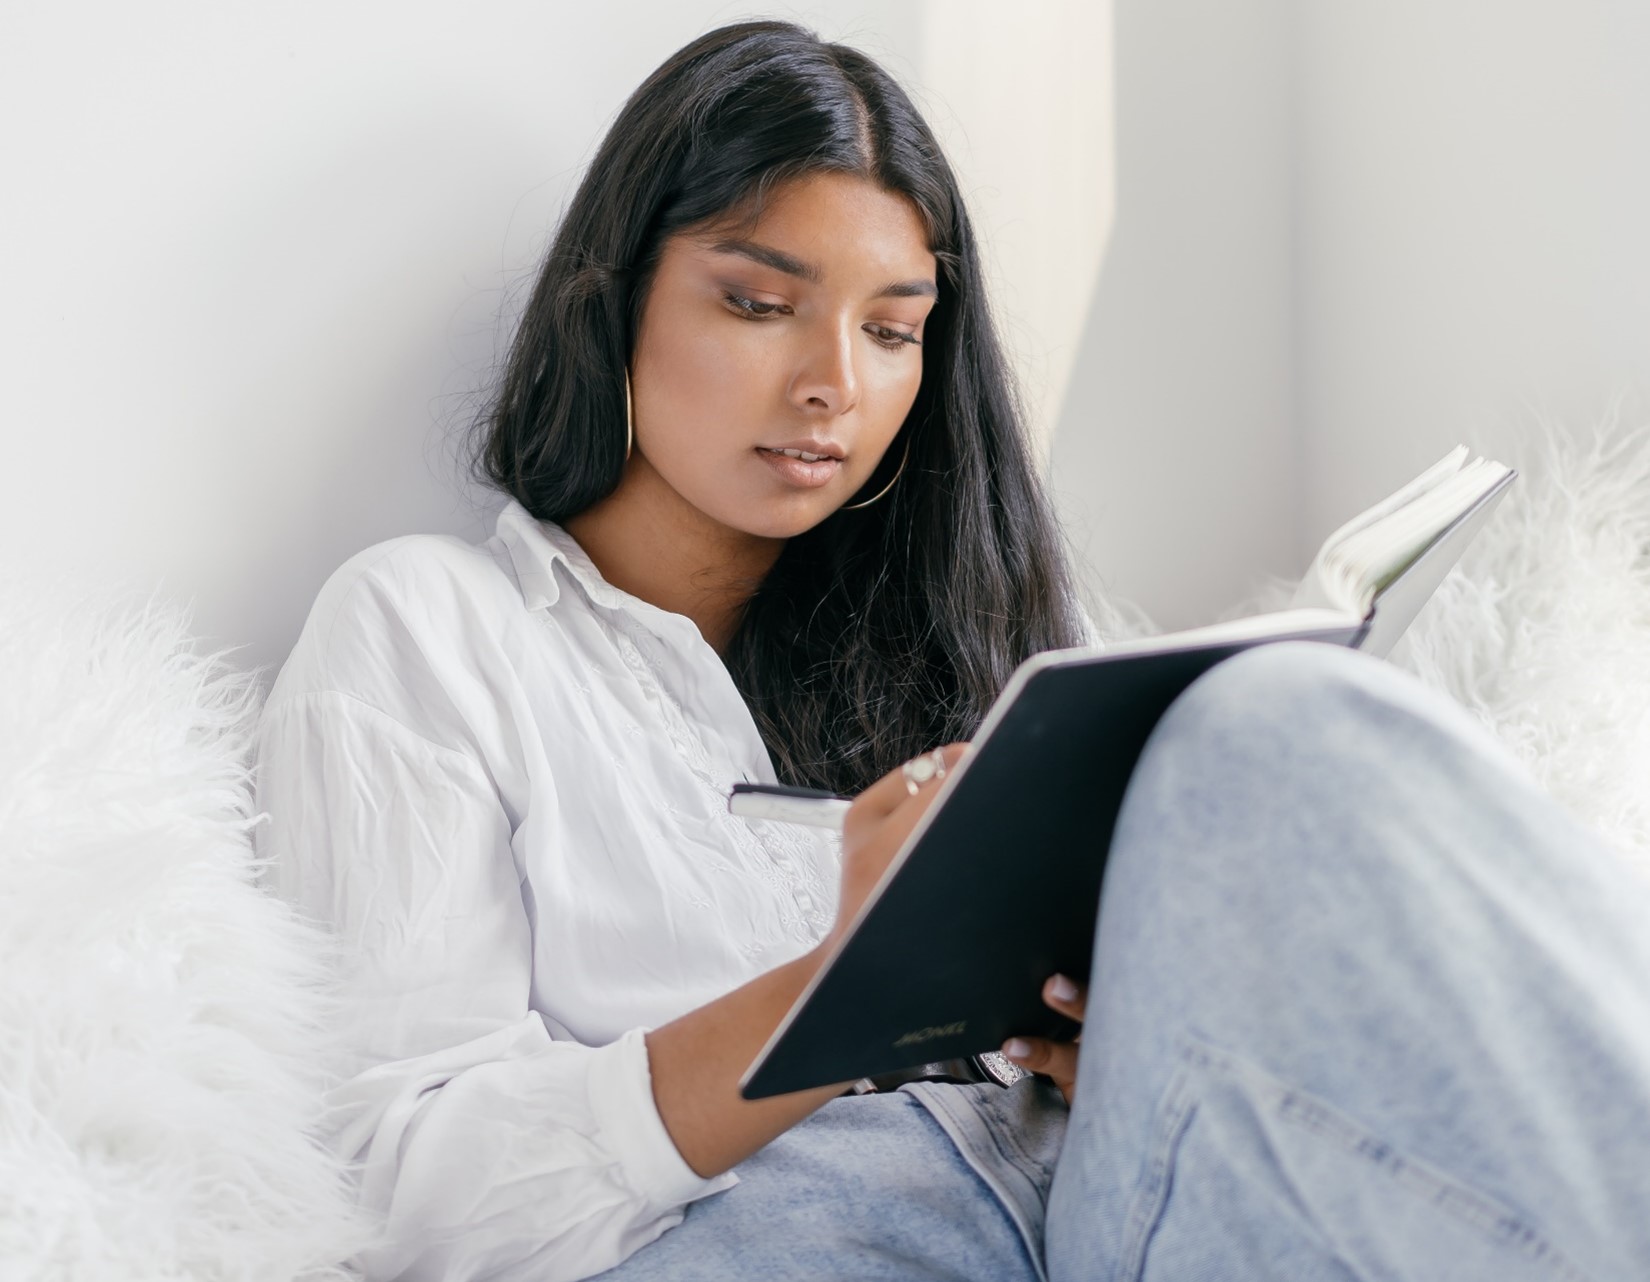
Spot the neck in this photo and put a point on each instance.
(645, 540)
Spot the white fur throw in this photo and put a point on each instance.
(159, 1015)
(1543, 630)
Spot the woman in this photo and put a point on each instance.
(770, 516)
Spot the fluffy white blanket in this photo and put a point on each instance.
(1543, 630)
(159, 1015)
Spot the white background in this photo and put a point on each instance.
(258, 261)
(1349, 234)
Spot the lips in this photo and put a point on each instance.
(812, 446)
(804, 473)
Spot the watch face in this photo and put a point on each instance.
(1001, 1069)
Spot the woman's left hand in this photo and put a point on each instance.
(1054, 1060)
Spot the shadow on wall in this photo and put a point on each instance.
(1173, 461)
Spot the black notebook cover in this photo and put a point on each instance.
(999, 885)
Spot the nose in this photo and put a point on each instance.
(826, 379)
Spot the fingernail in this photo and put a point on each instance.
(1062, 988)
(1016, 1048)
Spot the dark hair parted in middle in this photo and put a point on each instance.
(881, 632)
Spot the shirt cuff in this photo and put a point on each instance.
(620, 1086)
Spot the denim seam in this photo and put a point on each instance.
(937, 1103)
(1152, 1193)
(1007, 1137)
(1475, 1210)
(1454, 1199)
(997, 1135)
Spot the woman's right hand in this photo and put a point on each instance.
(876, 825)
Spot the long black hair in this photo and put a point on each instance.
(881, 632)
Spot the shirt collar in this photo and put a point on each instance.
(536, 547)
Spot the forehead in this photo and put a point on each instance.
(844, 224)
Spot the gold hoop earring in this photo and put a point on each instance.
(629, 421)
(898, 472)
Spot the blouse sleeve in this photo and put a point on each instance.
(482, 1145)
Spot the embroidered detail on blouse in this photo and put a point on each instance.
(784, 857)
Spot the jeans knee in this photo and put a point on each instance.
(1289, 750)
(1305, 705)
(1278, 737)
(1290, 685)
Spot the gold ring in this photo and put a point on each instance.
(919, 770)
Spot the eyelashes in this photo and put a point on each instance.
(751, 309)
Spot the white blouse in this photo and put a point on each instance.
(503, 783)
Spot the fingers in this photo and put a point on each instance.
(875, 828)
(1054, 1060)
(1067, 996)
(889, 793)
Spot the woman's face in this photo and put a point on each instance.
(801, 332)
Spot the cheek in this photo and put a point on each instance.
(890, 392)
(701, 374)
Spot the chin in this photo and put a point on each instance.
(781, 519)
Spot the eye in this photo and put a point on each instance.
(753, 310)
(892, 339)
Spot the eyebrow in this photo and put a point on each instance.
(783, 262)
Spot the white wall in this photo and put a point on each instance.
(260, 259)
(1474, 218)
(1348, 236)
(1174, 459)
(256, 262)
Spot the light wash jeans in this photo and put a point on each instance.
(1364, 1005)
